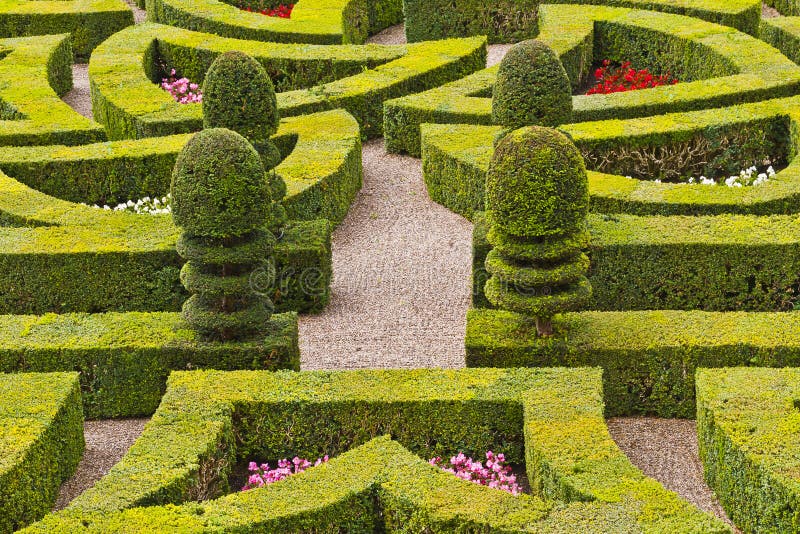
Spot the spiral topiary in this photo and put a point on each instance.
(221, 202)
(532, 88)
(238, 95)
(537, 201)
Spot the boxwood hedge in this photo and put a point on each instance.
(41, 443)
(748, 422)
(89, 22)
(312, 21)
(648, 358)
(209, 419)
(318, 78)
(719, 65)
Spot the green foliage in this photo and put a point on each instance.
(747, 422)
(207, 420)
(41, 443)
(124, 359)
(238, 95)
(218, 186)
(648, 358)
(536, 185)
(532, 87)
(315, 78)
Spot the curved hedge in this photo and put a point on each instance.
(718, 65)
(41, 443)
(511, 21)
(312, 21)
(747, 428)
(356, 78)
(89, 22)
(34, 73)
(456, 158)
(53, 250)
(209, 419)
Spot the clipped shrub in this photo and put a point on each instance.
(537, 200)
(532, 87)
(222, 202)
(238, 95)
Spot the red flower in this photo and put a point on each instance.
(624, 78)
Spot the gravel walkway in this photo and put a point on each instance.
(80, 96)
(666, 450)
(106, 443)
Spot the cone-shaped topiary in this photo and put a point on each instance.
(238, 94)
(537, 200)
(222, 202)
(532, 88)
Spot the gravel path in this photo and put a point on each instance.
(666, 450)
(106, 443)
(139, 15)
(80, 96)
(768, 12)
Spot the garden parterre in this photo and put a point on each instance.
(694, 276)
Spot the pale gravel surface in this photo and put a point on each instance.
(80, 96)
(139, 15)
(401, 267)
(389, 309)
(666, 450)
(768, 12)
(106, 443)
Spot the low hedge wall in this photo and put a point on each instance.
(89, 22)
(34, 73)
(718, 65)
(321, 166)
(747, 423)
(648, 358)
(41, 443)
(312, 21)
(124, 359)
(456, 158)
(512, 21)
(127, 102)
(209, 419)
(724, 263)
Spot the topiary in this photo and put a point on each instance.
(537, 201)
(222, 202)
(238, 95)
(532, 88)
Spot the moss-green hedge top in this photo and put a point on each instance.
(218, 186)
(41, 442)
(89, 22)
(129, 104)
(748, 425)
(456, 158)
(321, 168)
(312, 21)
(208, 419)
(34, 73)
(718, 65)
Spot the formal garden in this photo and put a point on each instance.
(373, 266)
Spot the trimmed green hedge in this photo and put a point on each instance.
(124, 359)
(357, 78)
(321, 166)
(312, 21)
(648, 357)
(34, 73)
(748, 422)
(456, 158)
(89, 22)
(209, 419)
(724, 263)
(54, 250)
(41, 443)
(511, 21)
(718, 65)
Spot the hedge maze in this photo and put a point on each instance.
(603, 283)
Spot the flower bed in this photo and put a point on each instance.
(182, 89)
(619, 79)
(282, 11)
